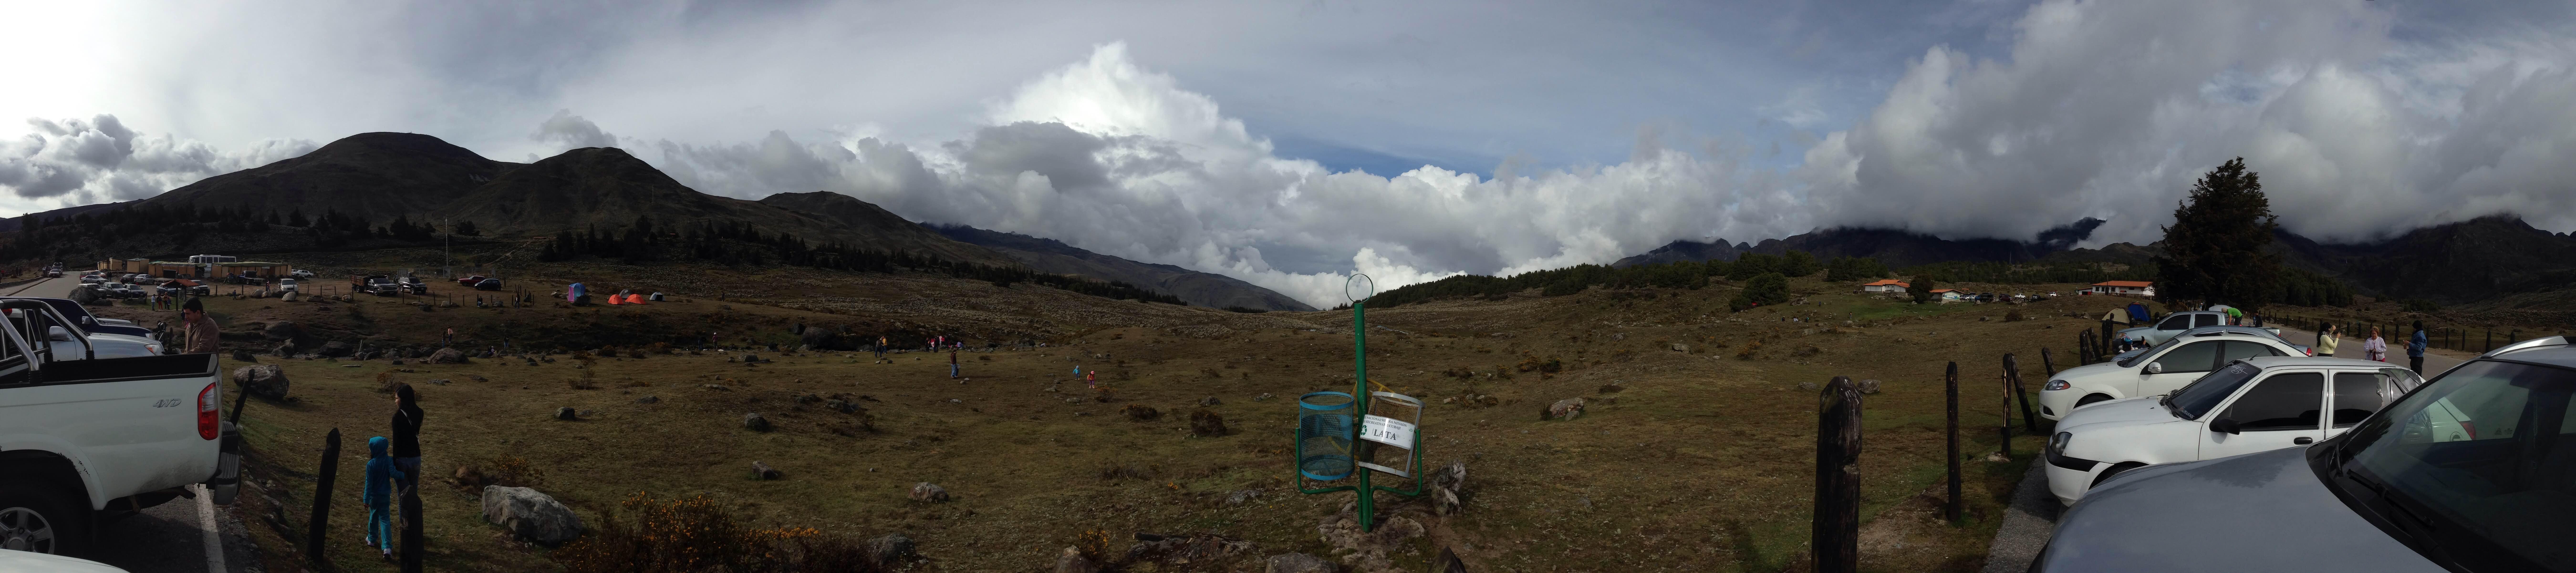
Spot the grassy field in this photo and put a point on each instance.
(1699, 460)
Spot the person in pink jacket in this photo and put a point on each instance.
(2375, 348)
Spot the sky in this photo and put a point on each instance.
(1292, 144)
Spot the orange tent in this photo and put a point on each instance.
(634, 299)
(614, 299)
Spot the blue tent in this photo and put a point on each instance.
(2138, 312)
(573, 294)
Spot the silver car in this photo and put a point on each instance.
(2474, 471)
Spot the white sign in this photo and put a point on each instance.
(1385, 430)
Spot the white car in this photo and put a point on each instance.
(300, 273)
(2251, 405)
(2160, 369)
(286, 285)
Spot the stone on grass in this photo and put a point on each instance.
(1679, 347)
(1869, 386)
(566, 414)
(264, 380)
(1210, 401)
(447, 356)
(1072, 561)
(763, 471)
(530, 515)
(1566, 409)
(1299, 563)
(648, 399)
(927, 492)
(1240, 497)
(890, 550)
(755, 422)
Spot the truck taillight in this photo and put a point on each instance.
(206, 410)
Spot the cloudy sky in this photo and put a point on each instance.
(1291, 143)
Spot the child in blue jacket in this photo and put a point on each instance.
(378, 495)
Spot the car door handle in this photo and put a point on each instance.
(2304, 441)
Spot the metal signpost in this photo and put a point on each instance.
(1332, 447)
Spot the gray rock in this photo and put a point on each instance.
(264, 380)
(891, 550)
(1299, 563)
(1239, 497)
(447, 356)
(1566, 409)
(648, 399)
(1808, 386)
(755, 422)
(927, 492)
(566, 413)
(842, 406)
(529, 515)
(1679, 347)
(1210, 401)
(1072, 561)
(282, 330)
(1869, 386)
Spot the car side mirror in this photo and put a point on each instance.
(2225, 425)
(2155, 368)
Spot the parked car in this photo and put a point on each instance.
(91, 279)
(93, 324)
(2397, 492)
(184, 286)
(286, 285)
(471, 281)
(2176, 323)
(2251, 405)
(300, 273)
(378, 285)
(85, 435)
(2159, 369)
(488, 284)
(412, 285)
(31, 562)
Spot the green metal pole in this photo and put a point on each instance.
(1359, 348)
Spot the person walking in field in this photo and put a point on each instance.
(406, 446)
(952, 365)
(2328, 337)
(377, 494)
(2375, 348)
(448, 339)
(2415, 349)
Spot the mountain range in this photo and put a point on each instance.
(381, 176)
(2455, 263)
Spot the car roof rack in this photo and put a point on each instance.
(2526, 345)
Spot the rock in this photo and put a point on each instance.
(1072, 561)
(337, 348)
(1618, 336)
(1073, 400)
(1869, 386)
(1447, 485)
(1997, 457)
(750, 357)
(588, 413)
(1566, 409)
(755, 422)
(1210, 401)
(1264, 397)
(1239, 497)
(763, 471)
(648, 399)
(1299, 563)
(282, 330)
(1679, 347)
(529, 515)
(291, 296)
(439, 381)
(447, 356)
(1140, 412)
(1204, 423)
(927, 492)
(890, 550)
(808, 398)
(566, 413)
(1612, 388)
(1808, 386)
(264, 380)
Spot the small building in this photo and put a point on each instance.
(1886, 286)
(256, 269)
(1947, 295)
(2131, 288)
(170, 269)
(134, 266)
(212, 259)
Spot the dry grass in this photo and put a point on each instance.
(1701, 462)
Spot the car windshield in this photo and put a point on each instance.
(2196, 398)
(2481, 464)
(2133, 355)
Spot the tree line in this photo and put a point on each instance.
(1675, 275)
(740, 244)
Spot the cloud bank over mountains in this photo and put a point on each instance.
(2364, 118)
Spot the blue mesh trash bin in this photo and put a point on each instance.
(1324, 434)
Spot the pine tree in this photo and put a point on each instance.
(2213, 252)
(1920, 288)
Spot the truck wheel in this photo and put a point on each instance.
(38, 517)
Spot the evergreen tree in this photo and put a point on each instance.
(1920, 288)
(2213, 252)
(1762, 289)
(1798, 264)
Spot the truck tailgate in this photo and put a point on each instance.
(129, 425)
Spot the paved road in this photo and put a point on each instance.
(2436, 361)
(171, 537)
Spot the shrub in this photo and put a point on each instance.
(2014, 315)
(699, 534)
(1141, 412)
(1767, 288)
(2420, 305)
(1920, 288)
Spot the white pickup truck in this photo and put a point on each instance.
(81, 435)
(2172, 324)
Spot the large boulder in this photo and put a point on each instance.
(529, 515)
(291, 296)
(755, 422)
(264, 380)
(891, 550)
(282, 330)
(337, 349)
(447, 356)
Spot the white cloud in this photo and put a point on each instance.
(69, 162)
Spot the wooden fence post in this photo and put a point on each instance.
(1951, 507)
(1835, 532)
(2047, 365)
(2014, 392)
(319, 522)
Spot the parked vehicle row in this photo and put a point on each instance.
(2160, 369)
(2315, 464)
